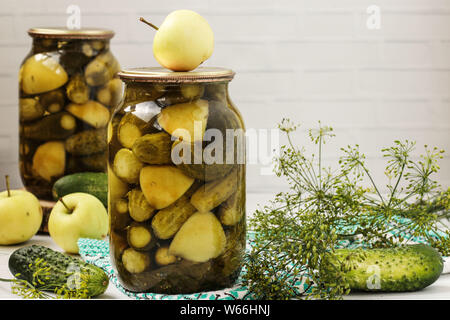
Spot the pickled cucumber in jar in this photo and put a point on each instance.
(180, 218)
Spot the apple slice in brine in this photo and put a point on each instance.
(186, 121)
(163, 185)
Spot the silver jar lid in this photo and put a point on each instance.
(159, 74)
(64, 33)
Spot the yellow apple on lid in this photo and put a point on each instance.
(183, 41)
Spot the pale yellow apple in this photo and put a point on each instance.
(41, 73)
(163, 185)
(183, 41)
(199, 239)
(84, 217)
(20, 216)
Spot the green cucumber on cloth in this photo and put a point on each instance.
(396, 269)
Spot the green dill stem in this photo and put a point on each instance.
(305, 174)
(320, 161)
(287, 173)
(442, 224)
(424, 173)
(290, 141)
(307, 180)
(8, 189)
(371, 180)
(148, 23)
(312, 174)
(264, 247)
(397, 183)
(410, 195)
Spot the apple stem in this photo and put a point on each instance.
(8, 189)
(148, 23)
(65, 205)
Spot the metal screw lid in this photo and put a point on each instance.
(159, 74)
(64, 33)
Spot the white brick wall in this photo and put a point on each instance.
(308, 60)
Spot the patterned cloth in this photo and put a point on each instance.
(97, 253)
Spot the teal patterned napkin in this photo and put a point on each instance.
(97, 253)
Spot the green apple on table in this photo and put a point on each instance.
(77, 215)
(183, 41)
(20, 215)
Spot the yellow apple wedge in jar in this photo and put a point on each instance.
(200, 238)
(163, 185)
(20, 216)
(91, 112)
(186, 121)
(77, 215)
(183, 41)
(41, 73)
(49, 160)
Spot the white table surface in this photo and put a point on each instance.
(440, 290)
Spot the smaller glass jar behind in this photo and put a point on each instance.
(67, 90)
(177, 208)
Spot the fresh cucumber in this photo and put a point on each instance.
(62, 270)
(94, 183)
(402, 268)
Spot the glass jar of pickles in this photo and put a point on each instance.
(67, 89)
(176, 176)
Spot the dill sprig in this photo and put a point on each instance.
(300, 228)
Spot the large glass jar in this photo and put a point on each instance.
(67, 90)
(176, 180)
